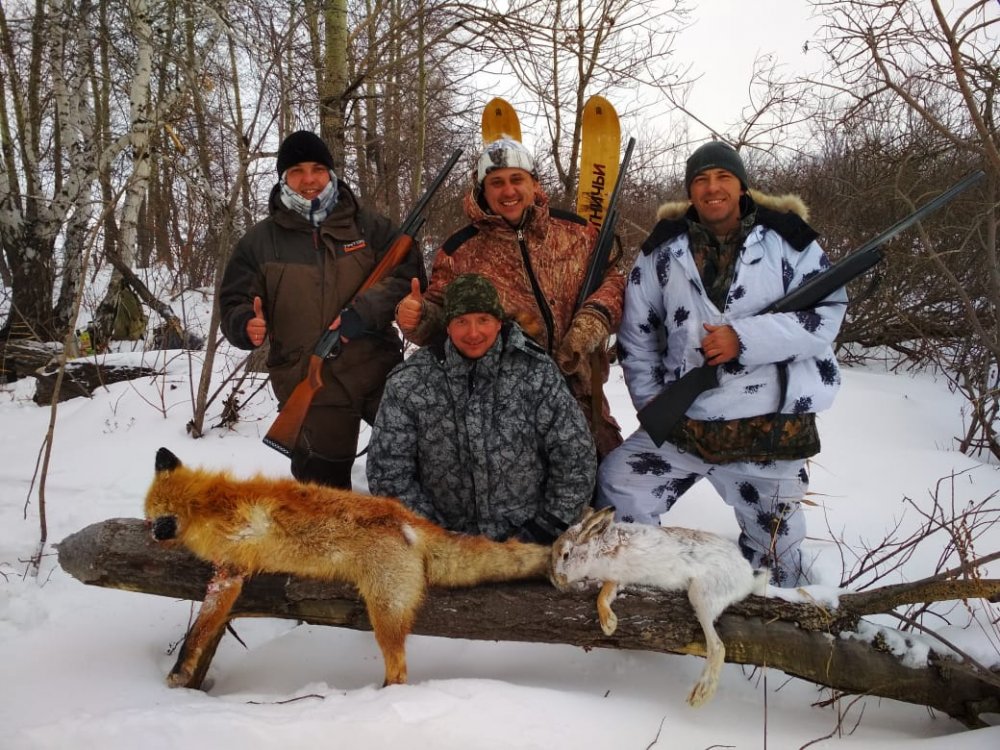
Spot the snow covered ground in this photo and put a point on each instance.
(82, 666)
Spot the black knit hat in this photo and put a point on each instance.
(301, 146)
(714, 155)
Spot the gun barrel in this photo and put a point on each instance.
(925, 210)
(866, 256)
(411, 224)
(613, 201)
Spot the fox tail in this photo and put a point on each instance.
(456, 560)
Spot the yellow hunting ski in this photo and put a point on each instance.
(600, 146)
(499, 118)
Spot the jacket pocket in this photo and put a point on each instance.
(279, 358)
(287, 369)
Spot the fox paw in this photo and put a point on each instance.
(181, 678)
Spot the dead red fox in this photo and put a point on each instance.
(283, 526)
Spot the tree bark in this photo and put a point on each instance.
(803, 640)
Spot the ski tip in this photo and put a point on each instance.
(499, 118)
(495, 107)
(599, 105)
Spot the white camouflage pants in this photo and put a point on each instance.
(642, 481)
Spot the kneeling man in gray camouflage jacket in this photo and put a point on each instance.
(481, 434)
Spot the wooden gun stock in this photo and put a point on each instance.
(285, 429)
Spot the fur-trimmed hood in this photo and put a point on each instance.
(780, 203)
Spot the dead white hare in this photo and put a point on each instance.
(711, 569)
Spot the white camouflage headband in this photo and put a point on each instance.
(504, 152)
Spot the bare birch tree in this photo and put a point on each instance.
(47, 165)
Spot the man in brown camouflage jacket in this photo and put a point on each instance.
(537, 258)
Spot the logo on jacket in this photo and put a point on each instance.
(350, 247)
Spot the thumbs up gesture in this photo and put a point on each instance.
(257, 326)
(411, 309)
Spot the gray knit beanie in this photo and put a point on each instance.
(714, 155)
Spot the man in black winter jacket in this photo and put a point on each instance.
(296, 273)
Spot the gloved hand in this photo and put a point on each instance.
(351, 324)
(587, 333)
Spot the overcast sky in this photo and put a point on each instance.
(724, 39)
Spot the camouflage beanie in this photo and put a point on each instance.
(714, 155)
(471, 293)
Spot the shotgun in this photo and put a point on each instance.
(668, 407)
(285, 430)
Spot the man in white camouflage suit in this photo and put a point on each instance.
(711, 264)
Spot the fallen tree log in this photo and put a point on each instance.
(82, 376)
(803, 640)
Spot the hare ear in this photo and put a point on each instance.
(596, 523)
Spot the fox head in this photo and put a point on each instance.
(212, 514)
(162, 500)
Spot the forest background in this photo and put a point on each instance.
(137, 142)
(142, 133)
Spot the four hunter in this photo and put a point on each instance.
(487, 429)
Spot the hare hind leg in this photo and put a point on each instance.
(708, 605)
(607, 596)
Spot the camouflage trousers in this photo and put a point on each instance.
(642, 482)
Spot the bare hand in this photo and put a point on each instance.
(257, 326)
(721, 345)
(411, 309)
